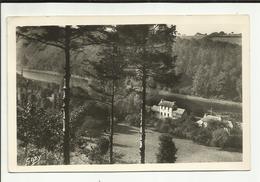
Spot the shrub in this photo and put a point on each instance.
(219, 138)
(97, 154)
(133, 119)
(185, 129)
(33, 124)
(167, 150)
(164, 127)
(178, 132)
(103, 145)
(32, 155)
(215, 125)
(235, 142)
(95, 157)
(203, 136)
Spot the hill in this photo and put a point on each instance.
(220, 37)
(207, 67)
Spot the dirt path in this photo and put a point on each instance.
(127, 143)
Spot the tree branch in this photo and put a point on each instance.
(39, 40)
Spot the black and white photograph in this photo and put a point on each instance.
(116, 91)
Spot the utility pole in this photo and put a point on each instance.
(66, 98)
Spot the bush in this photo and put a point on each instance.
(167, 150)
(32, 156)
(103, 145)
(164, 127)
(219, 138)
(97, 154)
(133, 119)
(235, 142)
(178, 132)
(215, 125)
(185, 129)
(203, 136)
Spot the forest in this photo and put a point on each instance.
(207, 68)
(211, 69)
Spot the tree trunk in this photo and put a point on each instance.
(143, 112)
(112, 124)
(66, 98)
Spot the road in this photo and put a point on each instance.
(54, 77)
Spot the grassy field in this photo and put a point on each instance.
(127, 143)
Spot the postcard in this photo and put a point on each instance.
(128, 93)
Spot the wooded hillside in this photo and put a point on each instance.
(208, 68)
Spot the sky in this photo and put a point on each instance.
(189, 29)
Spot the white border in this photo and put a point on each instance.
(135, 9)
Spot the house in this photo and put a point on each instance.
(203, 122)
(179, 113)
(168, 109)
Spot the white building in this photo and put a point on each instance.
(168, 109)
(203, 122)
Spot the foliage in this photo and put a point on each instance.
(217, 64)
(214, 68)
(215, 125)
(128, 105)
(35, 126)
(102, 145)
(216, 134)
(167, 150)
(219, 137)
(203, 136)
(31, 155)
(185, 129)
(148, 49)
(133, 119)
(165, 126)
(97, 154)
(235, 142)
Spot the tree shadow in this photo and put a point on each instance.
(124, 129)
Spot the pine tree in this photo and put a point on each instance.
(108, 73)
(66, 38)
(149, 49)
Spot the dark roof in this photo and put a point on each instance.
(179, 111)
(166, 103)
